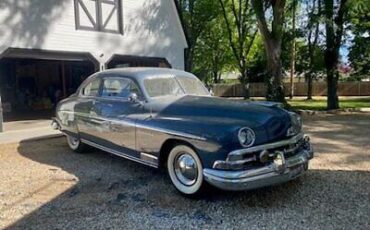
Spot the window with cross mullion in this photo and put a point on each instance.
(99, 15)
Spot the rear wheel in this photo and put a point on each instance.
(185, 170)
(75, 144)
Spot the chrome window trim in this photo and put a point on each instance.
(118, 98)
(86, 82)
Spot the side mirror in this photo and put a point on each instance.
(133, 98)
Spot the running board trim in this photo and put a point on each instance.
(120, 154)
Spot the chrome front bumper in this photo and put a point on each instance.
(268, 175)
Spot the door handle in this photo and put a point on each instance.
(98, 121)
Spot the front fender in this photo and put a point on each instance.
(212, 142)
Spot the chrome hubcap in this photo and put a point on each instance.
(186, 169)
(73, 141)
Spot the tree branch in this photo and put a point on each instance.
(249, 47)
(278, 18)
(229, 30)
(260, 14)
(339, 21)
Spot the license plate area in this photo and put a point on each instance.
(296, 171)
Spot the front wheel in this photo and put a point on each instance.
(75, 144)
(185, 170)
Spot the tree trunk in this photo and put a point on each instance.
(189, 55)
(215, 77)
(333, 43)
(332, 86)
(275, 88)
(245, 82)
(246, 90)
(272, 42)
(293, 48)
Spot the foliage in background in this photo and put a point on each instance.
(218, 46)
(257, 62)
(270, 18)
(338, 15)
(314, 51)
(241, 32)
(195, 14)
(359, 54)
(212, 52)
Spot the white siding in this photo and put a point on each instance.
(151, 28)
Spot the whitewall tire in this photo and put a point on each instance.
(185, 170)
(75, 144)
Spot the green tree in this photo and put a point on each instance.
(334, 23)
(359, 54)
(257, 61)
(272, 37)
(212, 52)
(195, 14)
(313, 50)
(359, 57)
(241, 32)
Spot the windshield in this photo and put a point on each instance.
(174, 86)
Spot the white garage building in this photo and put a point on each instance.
(47, 47)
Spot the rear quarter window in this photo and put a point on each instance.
(92, 88)
(120, 87)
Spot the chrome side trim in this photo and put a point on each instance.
(132, 123)
(149, 158)
(174, 133)
(170, 132)
(292, 140)
(118, 153)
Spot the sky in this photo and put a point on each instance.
(344, 51)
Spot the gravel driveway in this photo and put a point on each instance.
(46, 186)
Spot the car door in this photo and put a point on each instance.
(115, 107)
(83, 111)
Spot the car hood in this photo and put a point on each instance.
(262, 117)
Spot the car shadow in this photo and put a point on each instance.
(107, 186)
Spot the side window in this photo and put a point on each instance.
(119, 87)
(92, 89)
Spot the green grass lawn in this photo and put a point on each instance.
(319, 103)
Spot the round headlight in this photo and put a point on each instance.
(246, 137)
(296, 124)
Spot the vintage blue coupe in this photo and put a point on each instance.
(167, 118)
